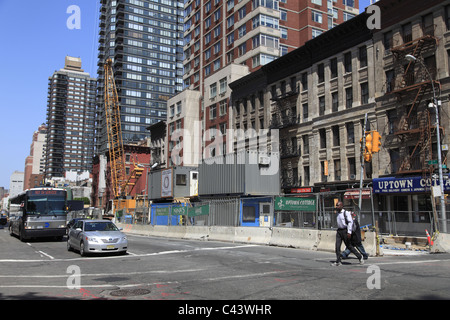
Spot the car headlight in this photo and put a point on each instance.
(91, 239)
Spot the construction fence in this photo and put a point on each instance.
(315, 211)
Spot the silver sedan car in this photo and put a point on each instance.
(96, 236)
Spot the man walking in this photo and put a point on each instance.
(344, 234)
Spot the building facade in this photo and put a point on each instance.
(225, 40)
(143, 39)
(319, 95)
(35, 162)
(70, 120)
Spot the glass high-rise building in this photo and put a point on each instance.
(70, 120)
(144, 39)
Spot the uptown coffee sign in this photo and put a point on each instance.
(407, 184)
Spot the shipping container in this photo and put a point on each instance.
(246, 173)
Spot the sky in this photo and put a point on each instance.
(35, 41)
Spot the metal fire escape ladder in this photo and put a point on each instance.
(414, 128)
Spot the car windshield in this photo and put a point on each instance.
(100, 226)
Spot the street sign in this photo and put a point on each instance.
(444, 170)
(432, 162)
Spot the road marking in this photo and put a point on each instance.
(131, 255)
(102, 274)
(47, 255)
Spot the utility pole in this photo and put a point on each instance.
(363, 145)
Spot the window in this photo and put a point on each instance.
(337, 170)
(390, 80)
(363, 57)
(352, 168)
(212, 112)
(223, 86)
(334, 102)
(223, 110)
(242, 13)
(348, 97)
(350, 132)
(321, 73)
(305, 112)
(333, 68)
(447, 17)
(321, 106)
(283, 15)
(364, 93)
(348, 62)
(350, 3)
(316, 33)
(304, 81)
(323, 138)
(305, 139)
(242, 49)
(336, 136)
(315, 16)
(213, 90)
(180, 179)
(242, 31)
(387, 42)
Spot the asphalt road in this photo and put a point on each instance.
(188, 270)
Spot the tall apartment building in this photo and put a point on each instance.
(70, 120)
(35, 162)
(144, 40)
(225, 40)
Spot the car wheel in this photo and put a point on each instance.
(69, 247)
(82, 250)
(11, 233)
(21, 236)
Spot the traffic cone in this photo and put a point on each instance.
(430, 242)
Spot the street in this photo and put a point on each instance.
(168, 269)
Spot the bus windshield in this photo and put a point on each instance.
(46, 204)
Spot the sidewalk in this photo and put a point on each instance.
(398, 246)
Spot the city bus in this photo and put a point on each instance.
(42, 213)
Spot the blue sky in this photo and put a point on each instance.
(35, 41)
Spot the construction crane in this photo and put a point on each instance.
(121, 184)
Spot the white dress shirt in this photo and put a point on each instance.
(342, 223)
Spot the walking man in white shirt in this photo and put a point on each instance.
(344, 233)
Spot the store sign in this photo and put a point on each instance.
(301, 190)
(295, 204)
(198, 210)
(407, 184)
(354, 194)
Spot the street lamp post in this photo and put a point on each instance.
(435, 104)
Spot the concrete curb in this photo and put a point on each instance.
(309, 239)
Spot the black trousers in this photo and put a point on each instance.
(341, 236)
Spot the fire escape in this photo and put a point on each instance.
(413, 87)
(285, 119)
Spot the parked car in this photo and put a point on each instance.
(96, 236)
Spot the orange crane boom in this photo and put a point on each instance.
(114, 129)
(119, 181)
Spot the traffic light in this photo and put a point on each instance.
(368, 148)
(376, 143)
